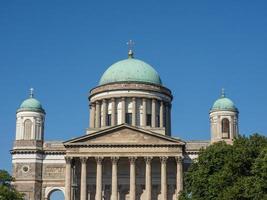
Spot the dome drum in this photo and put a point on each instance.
(163, 91)
(146, 109)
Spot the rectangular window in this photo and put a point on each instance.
(148, 119)
(108, 122)
(128, 118)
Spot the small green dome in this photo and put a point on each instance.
(224, 103)
(130, 70)
(31, 104)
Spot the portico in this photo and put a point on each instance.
(144, 166)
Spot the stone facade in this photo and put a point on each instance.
(127, 153)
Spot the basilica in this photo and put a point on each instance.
(127, 152)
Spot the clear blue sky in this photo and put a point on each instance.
(61, 48)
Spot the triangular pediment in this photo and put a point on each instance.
(124, 135)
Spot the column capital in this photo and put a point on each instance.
(113, 99)
(99, 159)
(114, 159)
(163, 159)
(104, 100)
(148, 159)
(68, 159)
(122, 98)
(154, 100)
(92, 104)
(97, 102)
(132, 159)
(179, 159)
(133, 98)
(83, 159)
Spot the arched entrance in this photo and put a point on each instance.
(54, 193)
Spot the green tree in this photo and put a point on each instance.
(7, 192)
(229, 172)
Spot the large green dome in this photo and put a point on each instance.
(130, 70)
(223, 103)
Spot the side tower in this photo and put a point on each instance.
(28, 147)
(223, 120)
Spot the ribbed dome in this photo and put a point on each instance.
(223, 103)
(130, 70)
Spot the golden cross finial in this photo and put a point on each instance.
(130, 46)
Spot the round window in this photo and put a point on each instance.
(25, 168)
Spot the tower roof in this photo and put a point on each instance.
(31, 104)
(224, 103)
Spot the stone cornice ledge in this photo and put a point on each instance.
(121, 145)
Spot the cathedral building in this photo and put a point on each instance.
(128, 151)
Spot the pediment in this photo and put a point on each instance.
(124, 135)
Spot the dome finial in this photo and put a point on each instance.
(130, 46)
(223, 93)
(31, 92)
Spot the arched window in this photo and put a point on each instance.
(27, 129)
(54, 193)
(225, 128)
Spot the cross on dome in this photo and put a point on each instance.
(130, 46)
(223, 93)
(31, 92)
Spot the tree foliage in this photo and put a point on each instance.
(7, 192)
(229, 172)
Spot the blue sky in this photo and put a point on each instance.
(61, 48)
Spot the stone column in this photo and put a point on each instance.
(104, 117)
(113, 112)
(83, 178)
(144, 112)
(163, 161)
(170, 121)
(134, 111)
(123, 110)
(114, 182)
(68, 178)
(98, 194)
(179, 174)
(92, 115)
(148, 178)
(132, 178)
(167, 119)
(153, 117)
(161, 115)
(97, 117)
